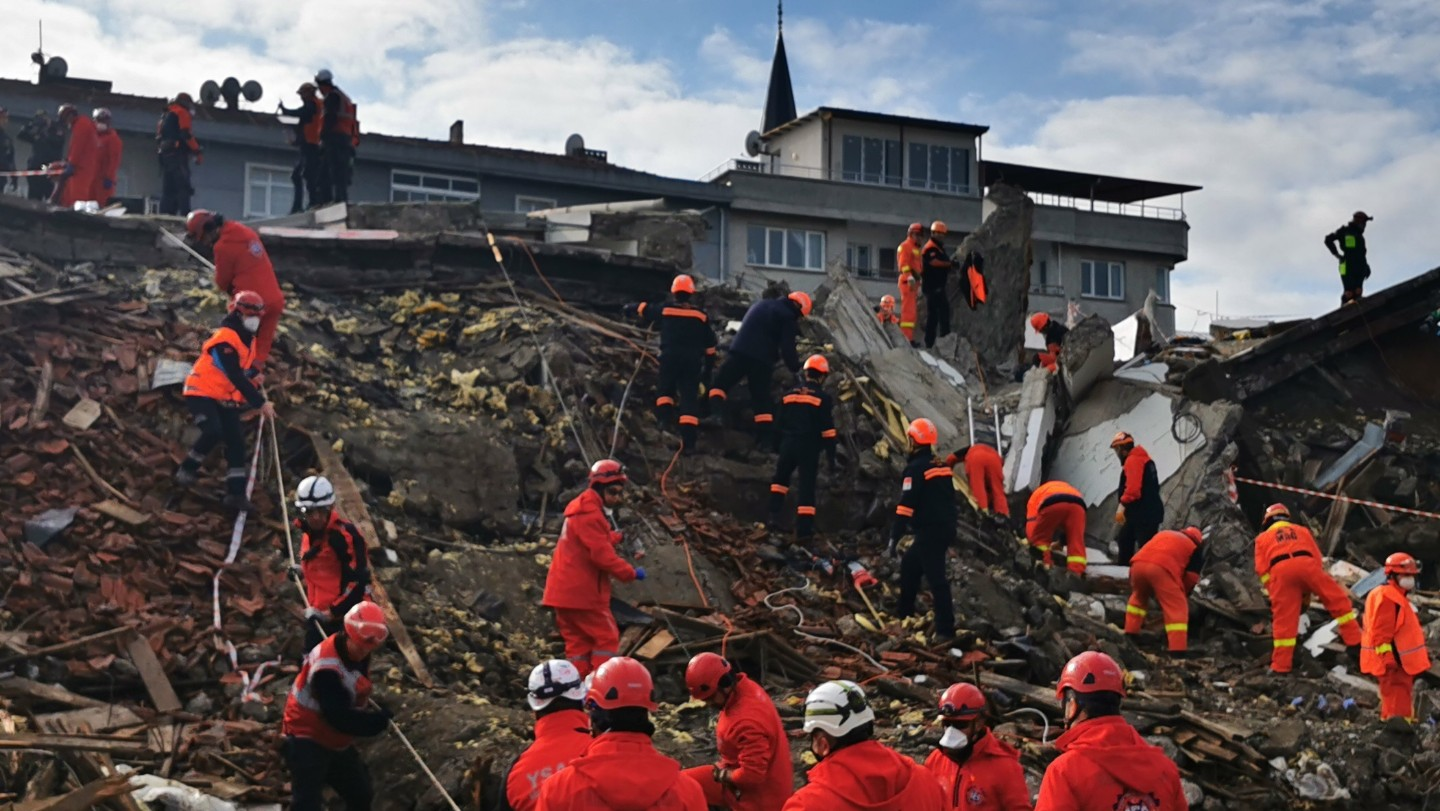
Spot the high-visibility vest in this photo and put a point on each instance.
(303, 718)
(1408, 645)
(207, 377)
(311, 130)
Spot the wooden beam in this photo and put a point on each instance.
(85, 797)
(25, 688)
(128, 747)
(1033, 694)
(157, 684)
(68, 646)
(42, 391)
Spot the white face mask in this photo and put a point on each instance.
(251, 322)
(954, 738)
(1407, 583)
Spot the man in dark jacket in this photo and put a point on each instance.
(927, 509)
(175, 145)
(1141, 510)
(687, 356)
(1354, 267)
(768, 331)
(934, 283)
(807, 426)
(47, 145)
(306, 174)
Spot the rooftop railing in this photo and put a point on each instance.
(1140, 209)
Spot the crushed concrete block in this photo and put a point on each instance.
(1145, 373)
(83, 415)
(1034, 422)
(169, 372)
(1086, 461)
(1087, 356)
(1370, 442)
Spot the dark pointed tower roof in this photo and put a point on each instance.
(780, 98)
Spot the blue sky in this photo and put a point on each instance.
(1291, 113)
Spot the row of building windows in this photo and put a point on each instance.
(269, 190)
(880, 161)
(1102, 280)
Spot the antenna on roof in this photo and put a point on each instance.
(780, 15)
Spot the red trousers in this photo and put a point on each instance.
(1291, 584)
(704, 776)
(987, 479)
(591, 637)
(265, 336)
(1397, 694)
(1050, 358)
(1149, 580)
(1070, 518)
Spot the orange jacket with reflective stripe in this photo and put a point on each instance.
(1050, 493)
(329, 577)
(1169, 550)
(303, 717)
(208, 379)
(907, 260)
(311, 131)
(1280, 539)
(1392, 633)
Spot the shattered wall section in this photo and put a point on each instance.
(668, 236)
(996, 328)
(1032, 425)
(1087, 356)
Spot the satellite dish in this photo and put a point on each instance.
(575, 145)
(252, 91)
(754, 144)
(230, 87)
(57, 67)
(209, 93)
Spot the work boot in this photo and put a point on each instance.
(239, 503)
(185, 477)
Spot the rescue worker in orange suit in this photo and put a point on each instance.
(175, 144)
(687, 357)
(333, 563)
(984, 471)
(934, 282)
(768, 330)
(621, 770)
(107, 162)
(241, 263)
(1347, 244)
(907, 262)
(1104, 764)
(807, 425)
(1054, 334)
(1392, 647)
(1166, 569)
(1287, 559)
(977, 771)
(1141, 510)
(885, 312)
(82, 161)
(1054, 506)
(218, 387)
(306, 175)
(339, 135)
(562, 733)
(856, 772)
(327, 710)
(754, 772)
(578, 583)
(927, 508)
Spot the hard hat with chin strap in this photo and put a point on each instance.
(556, 678)
(313, 493)
(837, 708)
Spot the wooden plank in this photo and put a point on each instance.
(157, 684)
(657, 644)
(42, 391)
(121, 512)
(25, 688)
(73, 644)
(75, 743)
(102, 719)
(631, 638)
(101, 766)
(85, 797)
(1031, 693)
(15, 640)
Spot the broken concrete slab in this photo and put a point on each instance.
(1144, 372)
(1086, 357)
(1370, 442)
(996, 327)
(1033, 422)
(169, 372)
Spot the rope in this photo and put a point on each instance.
(1045, 719)
(813, 637)
(620, 412)
(1333, 497)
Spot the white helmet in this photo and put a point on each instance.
(313, 492)
(837, 708)
(324, 76)
(556, 678)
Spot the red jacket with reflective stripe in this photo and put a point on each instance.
(585, 557)
(1104, 764)
(868, 776)
(621, 771)
(754, 749)
(1392, 634)
(302, 711)
(990, 780)
(560, 737)
(241, 263)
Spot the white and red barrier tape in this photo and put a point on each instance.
(34, 173)
(1333, 497)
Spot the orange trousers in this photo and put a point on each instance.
(591, 637)
(1397, 694)
(1070, 518)
(1291, 584)
(265, 336)
(987, 479)
(704, 776)
(1149, 580)
(909, 298)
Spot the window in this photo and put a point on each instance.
(1162, 284)
(268, 191)
(785, 248)
(870, 160)
(525, 205)
(887, 265)
(1102, 280)
(422, 187)
(939, 168)
(860, 259)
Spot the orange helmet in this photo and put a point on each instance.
(915, 228)
(607, 471)
(1274, 512)
(682, 284)
(1040, 321)
(707, 673)
(939, 227)
(817, 363)
(200, 221)
(802, 299)
(923, 432)
(1122, 440)
(248, 302)
(622, 682)
(962, 702)
(887, 302)
(1401, 563)
(366, 622)
(1091, 672)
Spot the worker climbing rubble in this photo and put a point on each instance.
(241, 263)
(754, 771)
(1392, 646)
(1287, 559)
(621, 770)
(807, 425)
(907, 263)
(1053, 332)
(1141, 510)
(556, 694)
(334, 564)
(1104, 764)
(1054, 506)
(856, 772)
(885, 311)
(327, 710)
(1166, 569)
(768, 331)
(927, 509)
(1347, 244)
(984, 472)
(577, 586)
(977, 771)
(687, 357)
(936, 264)
(217, 389)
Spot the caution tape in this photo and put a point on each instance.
(1333, 497)
(34, 173)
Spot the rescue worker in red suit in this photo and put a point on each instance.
(107, 164)
(578, 583)
(754, 772)
(768, 331)
(334, 564)
(935, 283)
(327, 710)
(984, 471)
(1141, 510)
(907, 263)
(241, 263)
(976, 770)
(82, 162)
(1104, 764)
(562, 733)
(857, 772)
(621, 770)
(1054, 506)
(926, 508)
(1054, 334)
(175, 144)
(687, 357)
(1166, 569)
(217, 389)
(807, 425)
(1392, 647)
(885, 312)
(1287, 559)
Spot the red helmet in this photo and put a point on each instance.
(366, 622)
(1401, 563)
(887, 302)
(962, 702)
(1091, 672)
(923, 432)
(248, 302)
(817, 363)
(1275, 511)
(939, 228)
(803, 300)
(915, 228)
(707, 673)
(1194, 534)
(622, 682)
(682, 284)
(607, 471)
(199, 221)
(1040, 321)
(1122, 440)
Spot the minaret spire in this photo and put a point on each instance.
(780, 98)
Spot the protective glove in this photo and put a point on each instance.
(313, 613)
(639, 572)
(1120, 516)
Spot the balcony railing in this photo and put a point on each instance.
(1055, 290)
(872, 274)
(1105, 207)
(762, 166)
